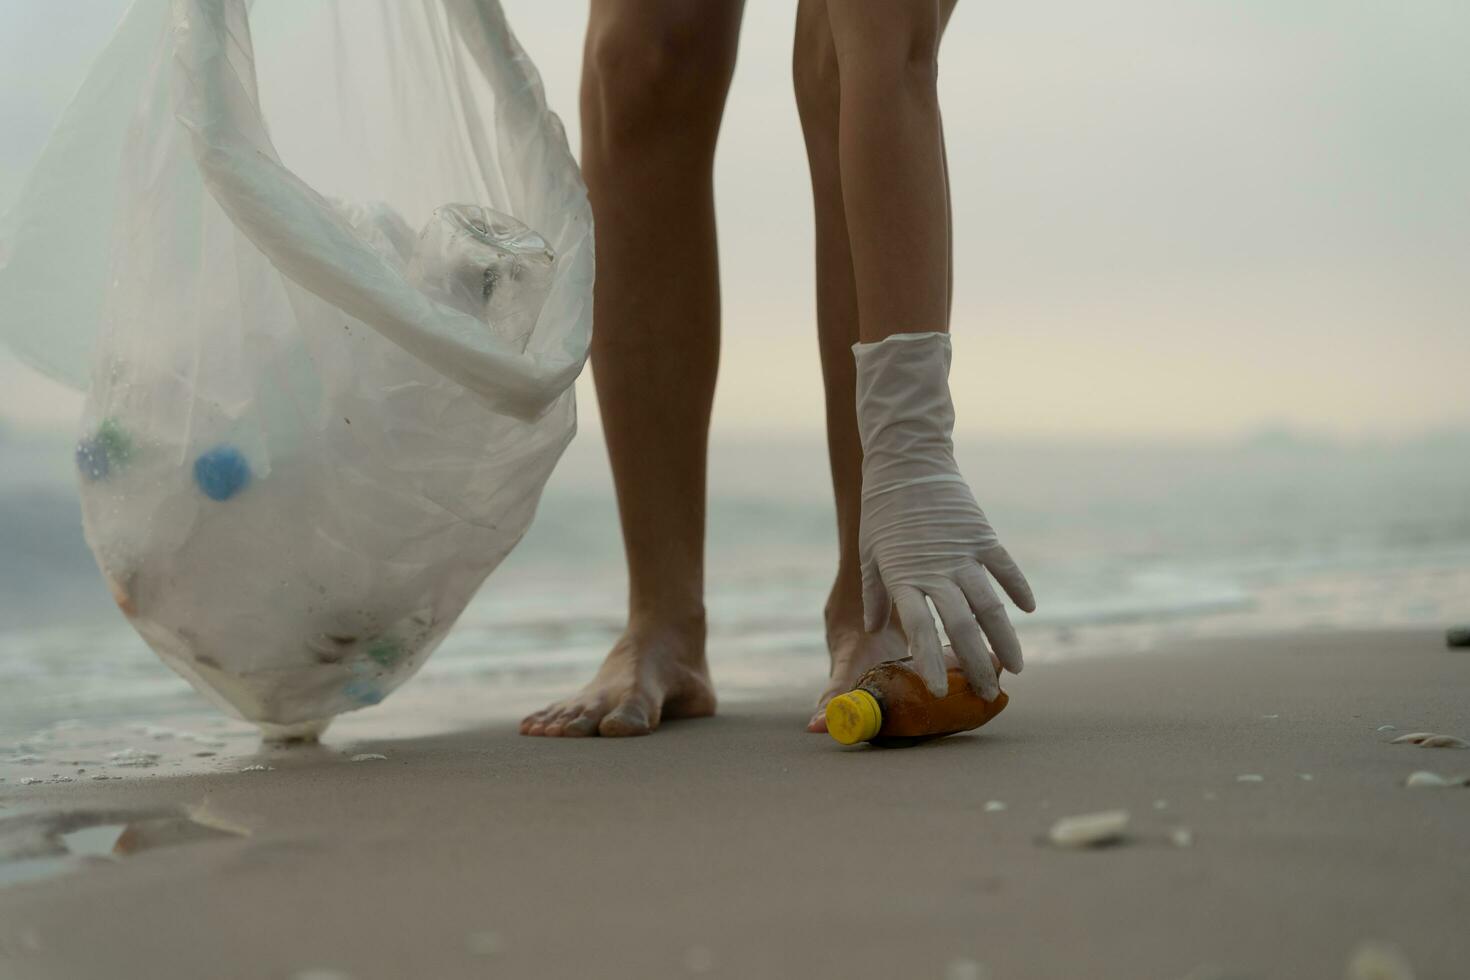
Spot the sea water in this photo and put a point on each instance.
(1127, 546)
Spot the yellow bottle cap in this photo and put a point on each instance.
(854, 717)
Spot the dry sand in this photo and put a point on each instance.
(743, 847)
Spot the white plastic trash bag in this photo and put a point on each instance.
(330, 264)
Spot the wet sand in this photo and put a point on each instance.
(743, 847)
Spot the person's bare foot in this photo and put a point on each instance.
(852, 650)
(652, 673)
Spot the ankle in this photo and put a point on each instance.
(684, 625)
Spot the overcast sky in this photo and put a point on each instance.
(1171, 219)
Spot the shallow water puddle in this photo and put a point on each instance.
(36, 846)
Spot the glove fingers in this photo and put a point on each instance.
(991, 613)
(1008, 574)
(918, 623)
(876, 604)
(969, 646)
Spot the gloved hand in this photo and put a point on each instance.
(922, 534)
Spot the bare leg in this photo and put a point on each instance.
(824, 97)
(655, 75)
(814, 70)
(891, 153)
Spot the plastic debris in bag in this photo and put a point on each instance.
(311, 431)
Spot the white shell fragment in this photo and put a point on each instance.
(1422, 778)
(1430, 740)
(369, 757)
(1379, 961)
(1387, 728)
(1089, 829)
(258, 769)
(1250, 777)
(994, 806)
(1445, 742)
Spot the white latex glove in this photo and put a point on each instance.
(922, 534)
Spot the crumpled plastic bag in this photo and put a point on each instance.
(330, 264)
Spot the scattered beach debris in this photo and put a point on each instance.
(1181, 837)
(31, 780)
(699, 959)
(1387, 728)
(370, 757)
(963, 968)
(1089, 829)
(1374, 960)
(484, 943)
(1426, 779)
(134, 757)
(994, 806)
(1430, 740)
(259, 768)
(1250, 777)
(1457, 636)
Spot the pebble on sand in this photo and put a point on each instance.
(1089, 829)
(1457, 636)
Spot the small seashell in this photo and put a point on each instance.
(258, 769)
(1250, 777)
(31, 781)
(1415, 737)
(994, 806)
(1374, 960)
(1387, 728)
(1089, 829)
(1182, 837)
(1423, 778)
(369, 757)
(1444, 742)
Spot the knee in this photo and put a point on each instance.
(897, 55)
(646, 84)
(814, 76)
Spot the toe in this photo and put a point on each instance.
(583, 725)
(818, 722)
(557, 723)
(631, 717)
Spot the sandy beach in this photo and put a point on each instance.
(743, 847)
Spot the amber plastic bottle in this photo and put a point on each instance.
(891, 707)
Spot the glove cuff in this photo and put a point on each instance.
(904, 410)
